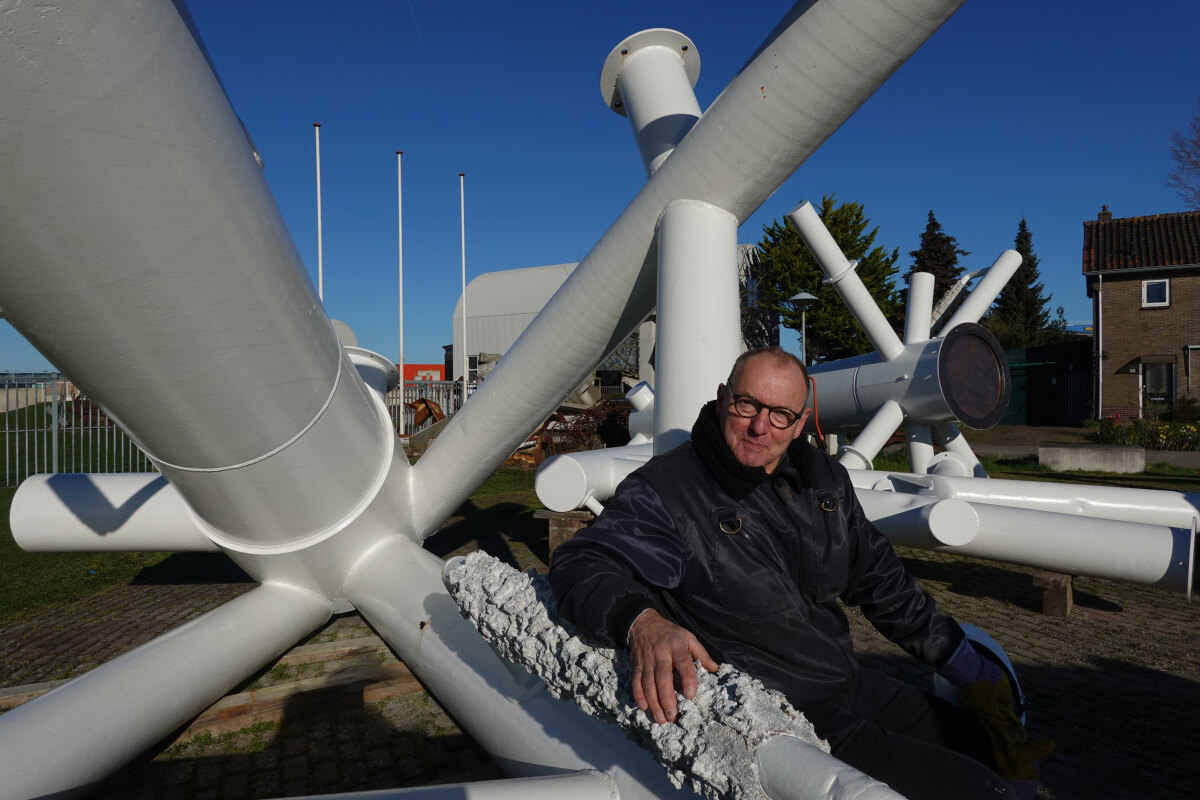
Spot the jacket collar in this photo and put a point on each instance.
(737, 479)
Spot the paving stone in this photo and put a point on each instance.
(1116, 684)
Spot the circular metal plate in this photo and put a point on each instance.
(974, 376)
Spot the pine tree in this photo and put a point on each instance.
(786, 267)
(1019, 317)
(938, 254)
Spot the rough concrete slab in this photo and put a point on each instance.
(1093, 458)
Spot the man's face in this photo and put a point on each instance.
(772, 382)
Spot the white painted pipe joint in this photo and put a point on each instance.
(377, 372)
(919, 520)
(641, 418)
(568, 481)
(648, 78)
(962, 376)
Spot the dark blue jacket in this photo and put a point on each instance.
(753, 564)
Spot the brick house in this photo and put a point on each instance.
(1143, 276)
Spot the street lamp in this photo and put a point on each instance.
(803, 300)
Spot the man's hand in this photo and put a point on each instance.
(659, 649)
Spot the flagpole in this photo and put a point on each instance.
(400, 281)
(320, 253)
(462, 220)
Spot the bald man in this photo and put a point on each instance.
(737, 547)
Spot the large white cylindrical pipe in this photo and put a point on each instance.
(65, 742)
(1156, 555)
(103, 513)
(568, 481)
(124, 202)
(792, 769)
(649, 78)
(1153, 555)
(583, 785)
(699, 323)
(1149, 506)
(989, 287)
(918, 313)
(819, 65)
(841, 274)
(962, 375)
(398, 588)
(913, 520)
(873, 437)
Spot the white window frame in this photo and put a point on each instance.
(1166, 282)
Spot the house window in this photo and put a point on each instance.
(1156, 293)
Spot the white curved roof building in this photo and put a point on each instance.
(500, 305)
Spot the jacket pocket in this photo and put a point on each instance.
(751, 577)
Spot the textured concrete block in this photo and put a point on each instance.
(1093, 457)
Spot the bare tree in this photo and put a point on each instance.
(1184, 178)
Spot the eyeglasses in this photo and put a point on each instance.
(743, 405)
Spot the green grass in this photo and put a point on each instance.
(508, 481)
(33, 581)
(26, 447)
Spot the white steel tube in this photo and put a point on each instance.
(914, 520)
(649, 78)
(988, 288)
(1123, 551)
(65, 742)
(841, 274)
(919, 438)
(1156, 555)
(320, 243)
(568, 481)
(699, 327)
(918, 314)
(873, 436)
(398, 588)
(103, 513)
(822, 63)
(791, 769)
(583, 785)
(175, 229)
(400, 285)
(462, 223)
(1149, 506)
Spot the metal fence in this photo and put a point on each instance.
(48, 425)
(445, 395)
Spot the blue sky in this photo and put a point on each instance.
(1015, 108)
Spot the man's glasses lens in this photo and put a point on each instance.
(746, 406)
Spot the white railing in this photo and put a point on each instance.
(48, 425)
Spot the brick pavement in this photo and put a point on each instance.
(1116, 685)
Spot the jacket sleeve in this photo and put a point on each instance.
(611, 571)
(890, 597)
